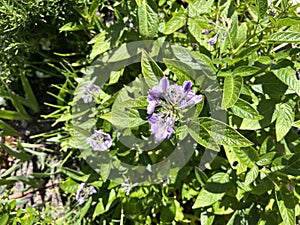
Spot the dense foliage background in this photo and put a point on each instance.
(250, 48)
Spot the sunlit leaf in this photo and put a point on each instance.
(284, 37)
(150, 70)
(285, 119)
(288, 76)
(231, 91)
(216, 132)
(262, 7)
(147, 17)
(176, 22)
(213, 191)
(286, 204)
(123, 119)
(243, 109)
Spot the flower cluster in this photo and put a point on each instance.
(90, 91)
(127, 186)
(165, 103)
(100, 141)
(83, 192)
(220, 31)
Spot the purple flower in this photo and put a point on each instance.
(83, 192)
(165, 101)
(182, 96)
(99, 141)
(190, 99)
(126, 187)
(90, 91)
(165, 181)
(156, 93)
(206, 31)
(213, 40)
(161, 127)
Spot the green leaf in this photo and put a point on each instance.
(93, 9)
(69, 186)
(239, 159)
(168, 212)
(224, 207)
(179, 216)
(19, 155)
(7, 130)
(176, 22)
(202, 136)
(147, 17)
(288, 21)
(265, 84)
(195, 27)
(182, 70)
(243, 109)
(286, 204)
(207, 219)
(235, 159)
(213, 191)
(12, 115)
(267, 109)
(199, 7)
(229, 38)
(72, 26)
(232, 89)
(100, 44)
(200, 176)
(123, 119)
(241, 35)
(244, 71)
(150, 70)
(30, 97)
(262, 7)
(105, 40)
(100, 209)
(84, 210)
(75, 175)
(210, 132)
(251, 175)
(285, 119)
(105, 203)
(244, 53)
(288, 76)
(105, 170)
(297, 124)
(205, 61)
(4, 218)
(285, 37)
(115, 76)
(266, 159)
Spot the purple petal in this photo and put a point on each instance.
(80, 201)
(91, 88)
(164, 83)
(162, 128)
(87, 98)
(151, 107)
(196, 99)
(92, 190)
(190, 95)
(152, 119)
(213, 40)
(151, 98)
(187, 86)
(99, 141)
